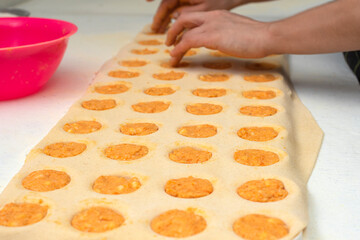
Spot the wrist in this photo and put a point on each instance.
(271, 39)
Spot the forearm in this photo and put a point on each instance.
(332, 27)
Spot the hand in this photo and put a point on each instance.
(221, 30)
(169, 9)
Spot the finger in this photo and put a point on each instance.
(189, 20)
(165, 24)
(165, 9)
(187, 9)
(190, 39)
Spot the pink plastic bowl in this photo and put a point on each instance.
(30, 51)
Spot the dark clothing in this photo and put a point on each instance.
(353, 60)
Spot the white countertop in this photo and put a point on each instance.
(323, 82)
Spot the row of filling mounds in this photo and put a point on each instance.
(186, 154)
(199, 108)
(260, 190)
(176, 74)
(118, 87)
(174, 223)
(196, 108)
(143, 128)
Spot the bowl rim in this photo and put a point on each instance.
(73, 30)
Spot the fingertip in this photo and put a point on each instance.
(174, 61)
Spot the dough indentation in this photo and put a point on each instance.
(189, 155)
(256, 227)
(159, 91)
(133, 63)
(258, 111)
(116, 185)
(22, 214)
(64, 149)
(260, 78)
(169, 76)
(209, 92)
(123, 74)
(82, 127)
(126, 152)
(111, 89)
(189, 187)
(203, 108)
(258, 94)
(138, 129)
(258, 134)
(97, 220)
(178, 223)
(99, 105)
(214, 77)
(256, 157)
(46, 180)
(265, 190)
(150, 107)
(198, 131)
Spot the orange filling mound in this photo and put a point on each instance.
(111, 89)
(203, 108)
(21, 214)
(217, 65)
(219, 54)
(179, 65)
(150, 107)
(123, 74)
(150, 42)
(265, 190)
(116, 185)
(189, 53)
(260, 78)
(260, 66)
(258, 134)
(99, 105)
(138, 129)
(189, 155)
(260, 227)
(82, 127)
(256, 157)
(97, 219)
(126, 152)
(214, 77)
(198, 131)
(159, 91)
(64, 149)
(133, 63)
(210, 92)
(168, 76)
(144, 51)
(257, 94)
(178, 224)
(189, 187)
(46, 180)
(258, 111)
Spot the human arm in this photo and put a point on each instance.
(331, 27)
(173, 8)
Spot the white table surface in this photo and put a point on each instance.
(324, 83)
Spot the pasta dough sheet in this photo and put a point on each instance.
(218, 148)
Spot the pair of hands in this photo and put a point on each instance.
(204, 25)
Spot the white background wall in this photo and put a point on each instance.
(271, 9)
